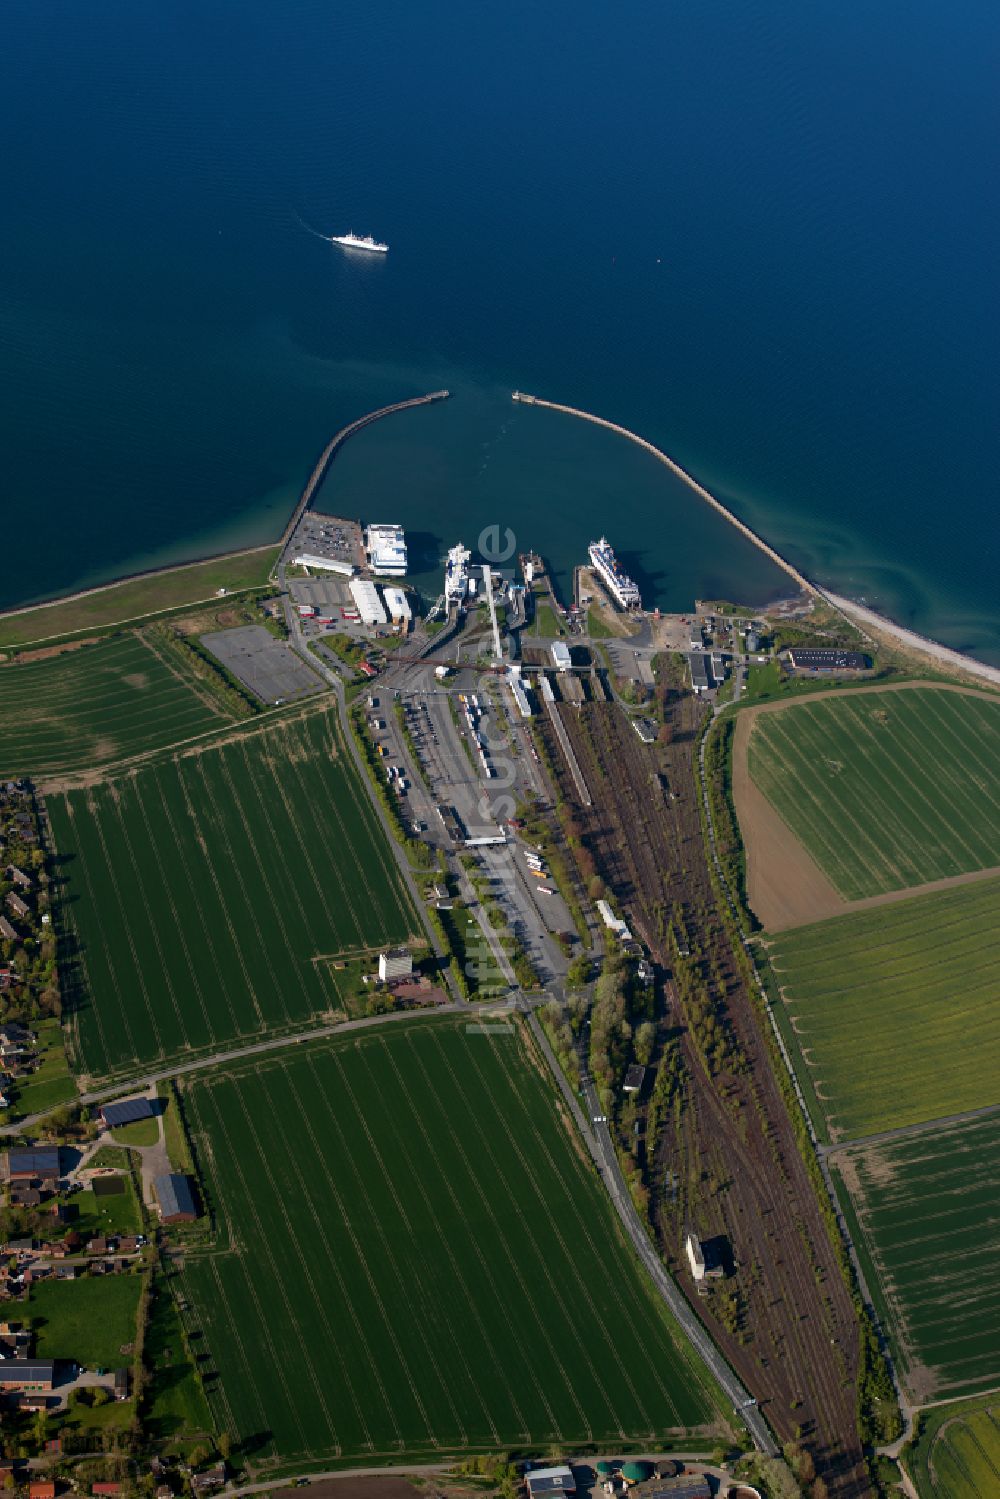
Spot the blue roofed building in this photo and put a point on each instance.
(128, 1111)
(176, 1200)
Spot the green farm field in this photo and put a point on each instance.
(94, 705)
(957, 1454)
(892, 1010)
(922, 1212)
(885, 789)
(197, 892)
(407, 1230)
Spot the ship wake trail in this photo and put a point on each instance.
(327, 239)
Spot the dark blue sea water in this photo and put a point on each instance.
(760, 232)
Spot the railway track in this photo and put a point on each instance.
(801, 1350)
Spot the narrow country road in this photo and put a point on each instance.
(252, 1049)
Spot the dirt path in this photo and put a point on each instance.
(785, 886)
(924, 1127)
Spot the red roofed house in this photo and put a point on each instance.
(41, 1489)
(108, 1489)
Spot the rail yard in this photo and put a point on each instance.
(726, 1158)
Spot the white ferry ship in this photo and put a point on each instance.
(456, 575)
(358, 242)
(621, 587)
(386, 548)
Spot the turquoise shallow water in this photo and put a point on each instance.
(762, 235)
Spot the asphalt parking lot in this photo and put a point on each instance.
(268, 667)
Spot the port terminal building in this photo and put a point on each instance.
(325, 564)
(386, 548)
(367, 602)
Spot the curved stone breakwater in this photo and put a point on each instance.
(857, 614)
(329, 452)
(682, 474)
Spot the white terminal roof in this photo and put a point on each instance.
(308, 559)
(368, 603)
(397, 603)
(387, 548)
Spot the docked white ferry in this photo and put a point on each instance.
(456, 575)
(386, 548)
(358, 242)
(623, 590)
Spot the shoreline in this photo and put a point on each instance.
(145, 572)
(943, 654)
(859, 613)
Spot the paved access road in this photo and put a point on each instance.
(237, 1053)
(603, 1150)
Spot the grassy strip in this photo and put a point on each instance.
(175, 1132)
(174, 1408)
(137, 598)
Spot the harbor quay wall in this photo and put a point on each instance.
(682, 474)
(337, 441)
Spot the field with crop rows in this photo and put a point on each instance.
(957, 1455)
(924, 1219)
(95, 705)
(197, 892)
(414, 1256)
(885, 789)
(893, 1010)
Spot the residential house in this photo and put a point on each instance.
(212, 1478)
(24, 1197)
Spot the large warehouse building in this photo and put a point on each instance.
(367, 602)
